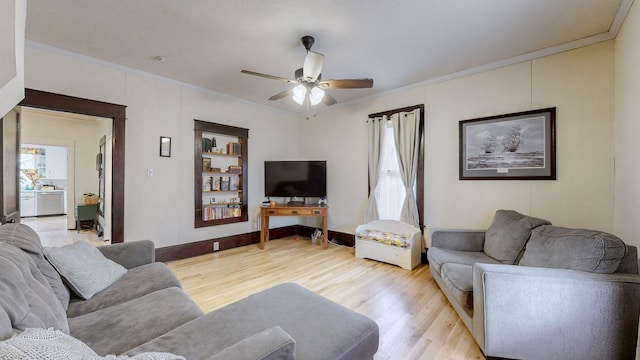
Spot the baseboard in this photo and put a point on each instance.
(183, 251)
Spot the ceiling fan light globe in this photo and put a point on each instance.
(316, 95)
(298, 94)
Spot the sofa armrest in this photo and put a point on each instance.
(542, 313)
(462, 240)
(130, 254)
(272, 343)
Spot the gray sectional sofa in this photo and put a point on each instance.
(144, 313)
(528, 290)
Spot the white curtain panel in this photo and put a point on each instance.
(407, 139)
(390, 189)
(376, 127)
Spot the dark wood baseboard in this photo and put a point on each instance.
(183, 251)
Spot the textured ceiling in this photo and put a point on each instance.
(397, 43)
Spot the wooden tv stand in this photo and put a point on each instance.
(285, 210)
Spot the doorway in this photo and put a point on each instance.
(62, 149)
(117, 113)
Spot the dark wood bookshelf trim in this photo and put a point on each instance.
(199, 127)
(183, 251)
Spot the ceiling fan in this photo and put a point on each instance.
(309, 86)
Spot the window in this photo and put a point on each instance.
(390, 190)
(388, 199)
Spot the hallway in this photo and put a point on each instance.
(53, 231)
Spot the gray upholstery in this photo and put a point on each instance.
(84, 269)
(131, 254)
(439, 256)
(458, 278)
(578, 249)
(322, 329)
(146, 308)
(27, 299)
(127, 325)
(129, 287)
(270, 344)
(23, 237)
(508, 234)
(462, 240)
(542, 313)
(555, 303)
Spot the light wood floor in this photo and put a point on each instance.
(415, 319)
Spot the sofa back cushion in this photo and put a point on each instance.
(577, 249)
(508, 233)
(27, 298)
(26, 239)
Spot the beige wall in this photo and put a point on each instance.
(579, 83)
(161, 208)
(83, 135)
(627, 129)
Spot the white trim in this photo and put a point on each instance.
(617, 22)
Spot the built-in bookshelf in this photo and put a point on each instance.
(221, 154)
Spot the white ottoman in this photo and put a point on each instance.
(390, 241)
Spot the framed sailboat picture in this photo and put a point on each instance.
(518, 146)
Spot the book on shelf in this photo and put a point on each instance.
(234, 183)
(206, 183)
(206, 145)
(206, 164)
(224, 183)
(234, 148)
(221, 212)
(234, 169)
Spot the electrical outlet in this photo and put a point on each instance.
(216, 246)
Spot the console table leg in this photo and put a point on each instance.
(264, 231)
(325, 229)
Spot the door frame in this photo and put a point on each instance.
(51, 101)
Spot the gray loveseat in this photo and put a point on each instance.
(528, 290)
(145, 311)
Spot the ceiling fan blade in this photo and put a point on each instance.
(281, 95)
(312, 66)
(267, 76)
(328, 99)
(347, 84)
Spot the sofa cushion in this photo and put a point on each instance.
(459, 279)
(44, 344)
(122, 327)
(577, 249)
(26, 239)
(84, 268)
(321, 328)
(135, 283)
(269, 344)
(506, 237)
(27, 298)
(438, 257)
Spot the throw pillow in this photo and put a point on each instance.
(508, 233)
(577, 249)
(84, 268)
(54, 344)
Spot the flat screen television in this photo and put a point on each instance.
(295, 178)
